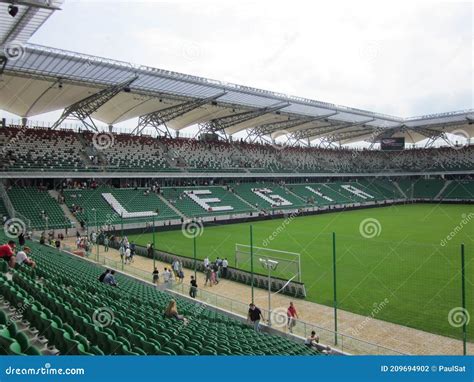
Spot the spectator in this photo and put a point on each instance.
(225, 265)
(215, 269)
(312, 340)
(213, 280)
(206, 262)
(254, 316)
(57, 243)
(193, 288)
(7, 251)
(175, 267)
(181, 275)
(292, 316)
(106, 244)
(132, 251)
(128, 255)
(22, 257)
(121, 252)
(110, 279)
(172, 312)
(208, 272)
(102, 276)
(149, 251)
(156, 276)
(21, 239)
(166, 276)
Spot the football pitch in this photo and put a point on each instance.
(399, 263)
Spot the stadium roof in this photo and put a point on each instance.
(40, 79)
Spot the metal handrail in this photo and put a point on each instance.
(345, 342)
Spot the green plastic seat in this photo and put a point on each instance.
(166, 351)
(5, 340)
(15, 349)
(223, 350)
(3, 318)
(128, 352)
(71, 345)
(190, 351)
(3, 266)
(208, 351)
(176, 347)
(150, 348)
(82, 351)
(116, 347)
(139, 350)
(25, 346)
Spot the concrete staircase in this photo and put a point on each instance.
(90, 150)
(178, 212)
(244, 201)
(68, 214)
(292, 193)
(446, 184)
(6, 200)
(400, 189)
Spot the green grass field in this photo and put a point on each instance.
(405, 263)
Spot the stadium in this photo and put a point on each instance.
(352, 224)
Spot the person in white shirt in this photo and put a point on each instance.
(166, 275)
(206, 262)
(22, 257)
(176, 268)
(128, 255)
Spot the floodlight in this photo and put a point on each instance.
(12, 10)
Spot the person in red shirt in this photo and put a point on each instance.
(292, 315)
(7, 252)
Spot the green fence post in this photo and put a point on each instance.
(334, 284)
(251, 261)
(154, 245)
(463, 300)
(194, 252)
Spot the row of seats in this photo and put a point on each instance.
(3, 209)
(459, 190)
(178, 197)
(78, 315)
(39, 149)
(242, 197)
(96, 209)
(31, 149)
(39, 207)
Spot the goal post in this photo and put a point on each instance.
(289, 263)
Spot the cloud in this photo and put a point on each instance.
(396, 58)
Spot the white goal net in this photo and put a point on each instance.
(287, 265)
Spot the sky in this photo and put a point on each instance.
(398, 58)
